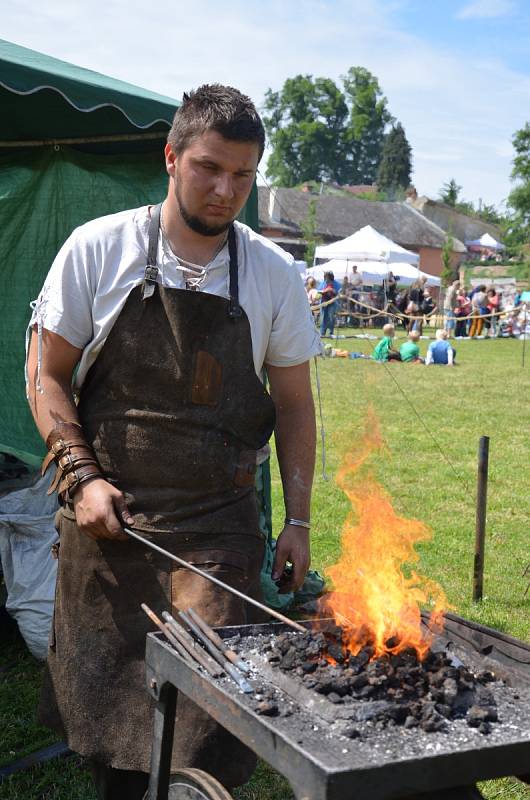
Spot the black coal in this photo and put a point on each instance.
(401, 689)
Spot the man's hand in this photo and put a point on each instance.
(99, 508)
(292, 545)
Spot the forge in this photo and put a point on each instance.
(331, 750)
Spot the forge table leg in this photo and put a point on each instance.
(164, 729)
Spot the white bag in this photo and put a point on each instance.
(27, 533)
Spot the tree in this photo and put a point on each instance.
(519, 198)
(368, 119)
(304, 123)
(395, 165)
(449, 193)
(448, 273)
(308, 228)
(319, 132)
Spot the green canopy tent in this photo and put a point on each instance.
(74, 145)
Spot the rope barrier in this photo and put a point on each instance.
(379, 312)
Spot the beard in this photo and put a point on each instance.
(195, 223)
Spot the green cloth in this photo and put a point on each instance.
(409, 351)
(382, 349)
(42, 97)
(44, 194)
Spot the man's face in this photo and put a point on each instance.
(212, 180)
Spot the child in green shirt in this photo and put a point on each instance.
(383, 350)
(409, 350)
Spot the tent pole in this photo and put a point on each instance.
(125, 137)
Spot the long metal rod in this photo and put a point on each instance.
(214, 637)
(195, 651)
(165, 630)
(229, 668)
(236, 592)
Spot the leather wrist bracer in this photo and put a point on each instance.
(75, 460)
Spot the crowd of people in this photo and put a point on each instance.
(472, 313)
(467, 313)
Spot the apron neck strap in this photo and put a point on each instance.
(151, 270)
(234, 309)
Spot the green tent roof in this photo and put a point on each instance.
(55, 92)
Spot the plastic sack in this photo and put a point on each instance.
(27, 533)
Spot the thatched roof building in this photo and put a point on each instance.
(284, 212)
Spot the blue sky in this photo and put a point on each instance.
(456, 72)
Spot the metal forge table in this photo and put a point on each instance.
(361, 771)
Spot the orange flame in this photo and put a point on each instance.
(374, 600)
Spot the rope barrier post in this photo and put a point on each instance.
(480, 529)
(524, 331)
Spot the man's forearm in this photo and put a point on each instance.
(295, 436)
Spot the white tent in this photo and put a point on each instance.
(367, 245)
(486, 241)
(373, 272)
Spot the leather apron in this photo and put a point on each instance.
(175, 413)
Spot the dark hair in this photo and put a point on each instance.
(213, 107)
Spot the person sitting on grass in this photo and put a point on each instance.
(383, 350)
(409, 350)
(440, 351)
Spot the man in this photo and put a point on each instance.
(356, 283)
(167, 315)
(329, 290)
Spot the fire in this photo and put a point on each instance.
(377, 596)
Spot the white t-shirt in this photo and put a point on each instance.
(103, 260)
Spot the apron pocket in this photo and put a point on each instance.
(207, 379)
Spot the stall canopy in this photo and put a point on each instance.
(367, 245)
(486, 242)
(373, 272)
(74, 145)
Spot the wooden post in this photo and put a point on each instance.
(480, 530)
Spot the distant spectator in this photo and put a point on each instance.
(492, 304)
(356, 280)
(427, 308)
(440, 351)
(383, 350)
(390, 285)
(478, 309)
(313, 295)
(416, 295)
(449, 306)
(329, 289)
(409, 350)
(462, 310)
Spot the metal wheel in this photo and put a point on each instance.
(194, 784)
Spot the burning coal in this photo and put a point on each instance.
(376, 595)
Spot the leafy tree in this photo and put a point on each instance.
(448, 273)
(490, 214)
(519, 198)
(369, 117)
(395, 166)
(319, 132)
(304, 123)
(449, 193)
(308, 228)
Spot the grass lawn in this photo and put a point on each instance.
(431, 419)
